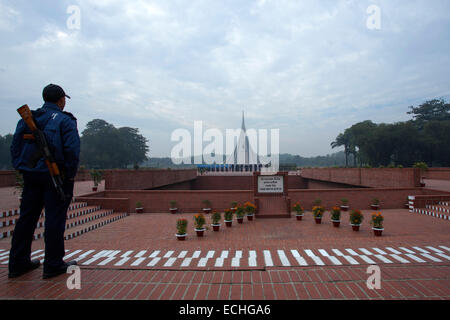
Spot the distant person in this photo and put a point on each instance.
(60, 129)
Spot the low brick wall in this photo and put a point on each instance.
(420, 201)
(156, 201)
(437, 173)
(373, 177)
(390, 198)
(8, 177)
(143, 179)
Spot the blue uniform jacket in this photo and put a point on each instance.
(60, 129)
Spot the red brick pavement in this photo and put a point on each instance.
(429, 280)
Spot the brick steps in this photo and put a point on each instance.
(440, 210)
(81, 218)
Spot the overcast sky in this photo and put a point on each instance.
(309, 68)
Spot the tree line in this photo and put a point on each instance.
(424, 138)
(103, 146)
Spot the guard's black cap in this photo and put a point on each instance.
(53, 92)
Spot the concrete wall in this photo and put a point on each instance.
(145, 179)
(373, 177)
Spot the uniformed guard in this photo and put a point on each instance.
(61, 133)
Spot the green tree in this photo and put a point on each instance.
(104, 146)
(5, 154)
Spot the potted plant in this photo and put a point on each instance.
(139, 208)
(318, 213)
(298, 211)
(375, 204)
(228, 217)
(206, 206)
(199, 222)
(356, 219)
(423, 168)
(317, 202)
(173, 207)
(215, 217)
(240, 213)
(234, 206)
(377, 223)
(96, 178)
(181, 229)
(344, 205)
(336, 216)
(250, 208)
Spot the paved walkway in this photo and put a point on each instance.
(138, 257)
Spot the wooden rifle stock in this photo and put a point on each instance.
(39, 138)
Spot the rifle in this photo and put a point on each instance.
(43, 149)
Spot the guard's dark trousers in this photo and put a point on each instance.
(39, 192)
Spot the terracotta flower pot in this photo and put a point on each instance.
(207, 210)
(139, 210)
(377, 231)
(94, 188)
(344, 208)
(228, 223)
(406, 206)
(375, 206)
(336, 223)
(173, 210)
(240, 220)
(200, 232)
(216, 227)
(299, 217)
(355, 227)
(181, 237)
(318, 220)
(249, 217)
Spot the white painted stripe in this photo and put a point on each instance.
(393, 250)
(168, 254)
(379, 251)
(407, 250)
(284, 260)
(252, 258)
(138, 262)
(399, 258)
(154, 261)
(415, 258)
(196, 254)
(434, 249)
(203, 261)
(186, 262)
(365, 251)
(316, 259)
(182, 254)
(155, 253)
(140, 253)
(421, 250)
(4, 253)
(346, 257)
(268, 258)
(367, 259)
(301, 261)
(426, 255)
(111, 257)
(383, 258)
(333, 259)
(352, 252)
(122, 261)
(36, 252)
(84, 255)
(126, 254)
(235, 262)
(443, 256)
(219, 261)
(97, 256)
(170, 262)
